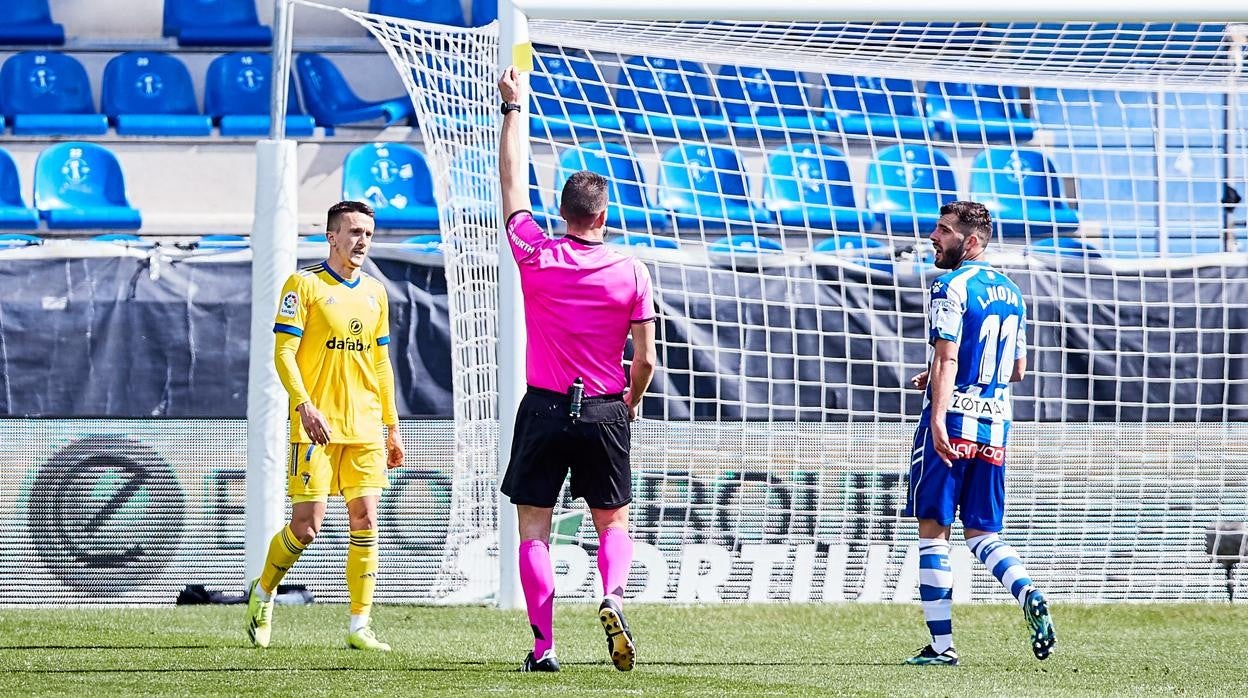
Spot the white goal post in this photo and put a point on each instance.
(770, 460)
(274, 236)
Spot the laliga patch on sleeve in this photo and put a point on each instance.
(290, 303)
(945, 305)
(946, 315)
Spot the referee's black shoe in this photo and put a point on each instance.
(548, 662)
(619, 639)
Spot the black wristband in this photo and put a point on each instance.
(509, 107)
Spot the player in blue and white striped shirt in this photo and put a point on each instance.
(978, 336)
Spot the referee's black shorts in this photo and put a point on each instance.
(548, 444)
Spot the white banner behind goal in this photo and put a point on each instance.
(747, 159)
(132, 511)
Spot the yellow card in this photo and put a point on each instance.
(522, 56)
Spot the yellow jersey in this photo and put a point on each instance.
(341, 360)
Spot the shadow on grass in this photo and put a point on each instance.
(234, 670)
(4, 647)
(491, 667)
(449, 667)
(735, 663)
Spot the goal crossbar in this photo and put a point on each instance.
(885, 10)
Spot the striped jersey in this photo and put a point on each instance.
(982, 311)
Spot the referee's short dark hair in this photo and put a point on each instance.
(584, 197)
(973, 218)
(343, 207)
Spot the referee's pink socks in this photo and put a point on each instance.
(537, 578)
(615, 556)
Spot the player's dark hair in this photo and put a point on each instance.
(973, 219)
(344, 207)
(584, 197)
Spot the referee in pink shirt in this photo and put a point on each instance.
(582, 300)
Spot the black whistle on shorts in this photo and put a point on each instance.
(575, 394)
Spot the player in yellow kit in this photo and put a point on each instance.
(332, 328)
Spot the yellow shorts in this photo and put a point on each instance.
(352, 470)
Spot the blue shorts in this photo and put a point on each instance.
(974, 487)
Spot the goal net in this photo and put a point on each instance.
(780, 180)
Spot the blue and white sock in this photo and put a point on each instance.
(1003, 562)
(936, 591)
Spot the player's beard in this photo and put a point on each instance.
(948, 257)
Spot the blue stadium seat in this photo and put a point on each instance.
(747, 244)
(808, 185)
(237, 94)
(14, 213)
(1170, 41)
(705, 186)
(628, 207)
(923, 265)
(332, 102)
(1114, 119)
(432, 11)
(1118, 45)
(30, 22)
(1120, 190)
(1136, 247)
(222, 242)
(933, 34)
(1191, 185)
(1177, 246)
(151, 94)
(657, 242)
(448, 73)
(868, 252)
(545, 214)
(126, 239)
(12, 240)
(977, 113)
(474, 181)
(81, 185)
(1194, 119)
(766, 102)
(427, 244)
(48, 93)
(1022, 190)
(668, 98)
(395, 180)
(317, 238)
(1102, 118)
(215, 23)
(876, 107)
(1117, 192)
(484, 12)
(1065, 247)
(840, 243)
(1041, 40)
(907, 185)
(569, 96)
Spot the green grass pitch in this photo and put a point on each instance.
(846, 649)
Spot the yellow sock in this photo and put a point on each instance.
(362, 570)
(284, 551)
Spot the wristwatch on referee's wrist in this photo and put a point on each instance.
(508, 107)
